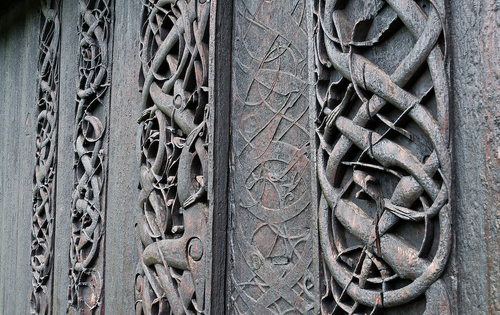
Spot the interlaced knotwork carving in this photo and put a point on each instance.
(87, 208)
(383, 161)
(42, 227)
(172, 226)
(271, 239)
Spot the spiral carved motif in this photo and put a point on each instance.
(383, 160)
(87, 208)
(172, 225)
(42, 228)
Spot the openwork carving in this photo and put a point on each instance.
(86, 273)
(172, 228)
(383, 162)
(271, 243)
(42, 228)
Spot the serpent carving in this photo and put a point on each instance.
(383, 160)
(42, 227)
(172, 225)
(86, 274)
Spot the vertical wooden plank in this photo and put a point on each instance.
(3, 138)
(65, 159)
(123, 174)
(272, 221)
(26, 121)
(220, 97)
(27, 124)
(475, 48)
(315, 190)
(18, 41)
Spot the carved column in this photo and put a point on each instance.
(43, 212)
(85, 293)
(383, 162)
(271, 236)
(174, 214)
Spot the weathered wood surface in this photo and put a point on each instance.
(272, 240)
(19, 31)
(220, 93)
(475, 42)
(68, 76)
(120, 250)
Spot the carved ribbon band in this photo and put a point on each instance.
(86, 274)
(383, 161)
(172, 225)
(43, 215)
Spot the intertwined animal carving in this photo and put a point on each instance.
(86, 274)
(383, 160)
(172, 227)
(43, 215)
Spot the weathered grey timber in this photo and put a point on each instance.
(19, 33)
(69, 78)
(474, 27)
(272, 224)
(120, 251)
(220, 47)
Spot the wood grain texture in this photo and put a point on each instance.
(475, 31)
(120, 250)
(19, 29)
(65, 160)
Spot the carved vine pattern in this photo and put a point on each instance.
(383, 161)
(86, 274)
(42, 228)
(271, 243)
(172, 226)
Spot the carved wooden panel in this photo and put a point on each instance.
(173, 223)
(43, 220)
(383, 161)
(272, 225)
(86, 274)
(376, 239)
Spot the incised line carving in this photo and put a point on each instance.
(271, 236)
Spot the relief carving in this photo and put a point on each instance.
(271, 239)
(86, 274)
(172, 226)
(43, 215)
(383, 160)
